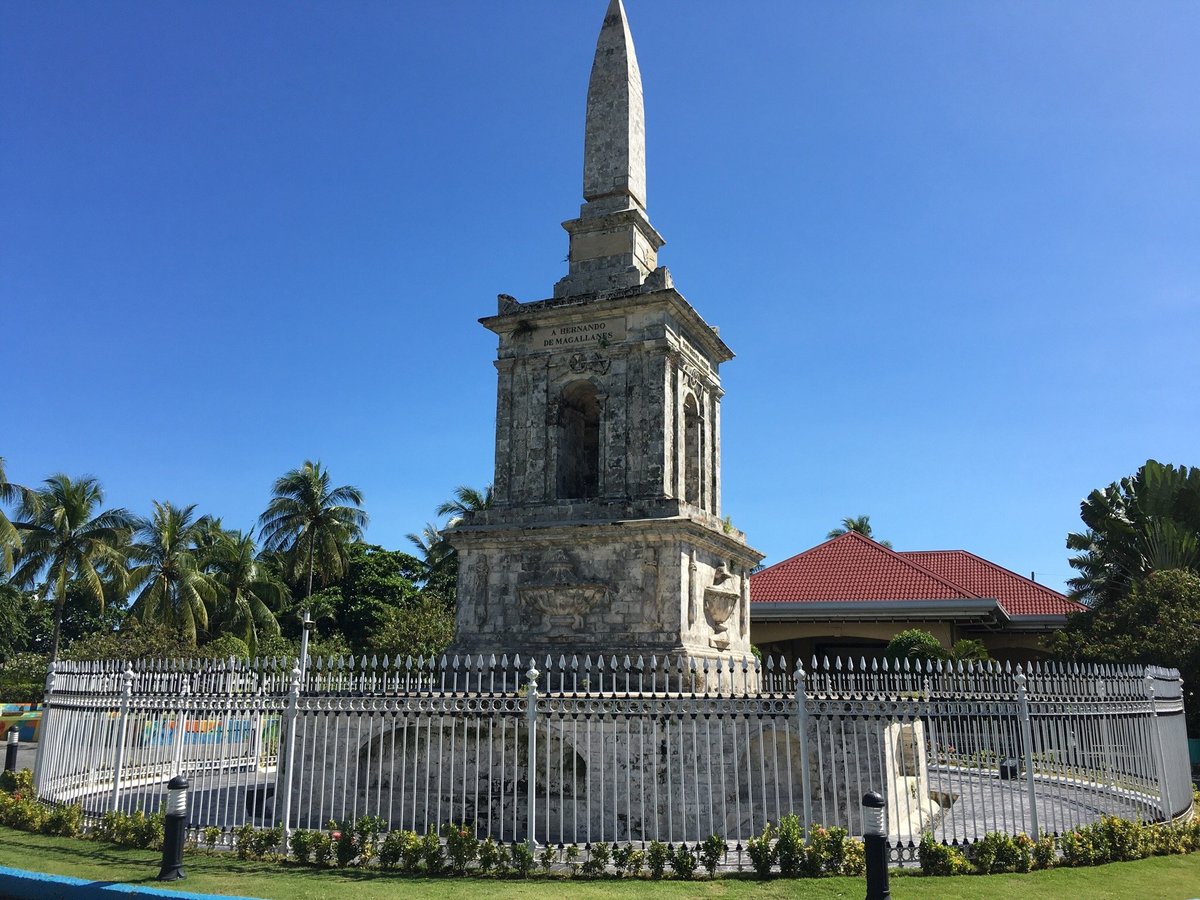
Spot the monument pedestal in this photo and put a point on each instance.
(664, 586)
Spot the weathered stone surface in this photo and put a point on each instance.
(613, 245)
(614, 143)
(606, 534)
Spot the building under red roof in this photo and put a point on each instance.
(851, 594)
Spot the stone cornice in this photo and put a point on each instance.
(649, 531)
(553, 311)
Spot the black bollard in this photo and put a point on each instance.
(10, 750)
(875, 844)
(174, 826)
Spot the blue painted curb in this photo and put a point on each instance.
(22, 885)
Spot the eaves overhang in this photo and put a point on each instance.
(959, 609)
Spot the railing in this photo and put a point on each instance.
(566, 750)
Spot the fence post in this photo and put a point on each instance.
(44, 737)
(293, 710)
(802, 726)
(531, 697)
(1164, 789)
(1027, 741)
(122, 734)
(1105, 729)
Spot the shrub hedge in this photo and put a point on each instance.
(783, 849)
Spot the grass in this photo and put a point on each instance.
(1163, 878)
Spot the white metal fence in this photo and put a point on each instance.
(629, 749)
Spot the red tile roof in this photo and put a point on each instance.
(852, 568)
(1019, 596)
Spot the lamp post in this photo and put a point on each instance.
(11, 748)
(875, 843)
(174, 826)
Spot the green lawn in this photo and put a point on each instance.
(1166, 878)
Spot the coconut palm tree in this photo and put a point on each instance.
(68, 538)
(435, 549)
(10, 534)
(466, 499)
(249, 594)
(175, 590)
(312, 522)
(860, 525)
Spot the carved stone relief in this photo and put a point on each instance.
(480, 578)
(558, 594)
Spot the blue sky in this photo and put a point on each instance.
(956, 247)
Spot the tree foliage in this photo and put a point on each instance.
(69, 538)
(312, 523)
(860, 525)
(918, 645)
(379, 606)
(1156, 622)
(14, 495)
(175, 590)
(248, 593)
(1147, 522)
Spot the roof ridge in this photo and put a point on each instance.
(908, 562)
(873, 544)
(993, 565)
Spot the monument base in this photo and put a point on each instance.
(661, 587)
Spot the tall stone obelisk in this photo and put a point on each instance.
(606, 534)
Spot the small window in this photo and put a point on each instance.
(579, 442)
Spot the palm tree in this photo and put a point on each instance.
(248, 593)
(67, 539)
(312, 522)
(435, 549)
(175, 591)
(10, 533)
(860, 525)
(466, 500)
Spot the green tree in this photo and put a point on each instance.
(133, 641)
(424, 628)
(175, 591)
(69, 538)
(1144, 523)
(14, 635)
(440, 574)
(439, 565)
(1156, 622)
(10, 534)
(915, 645)
(377, 587)
(312, 523)
(860, 525)
(466, 500)
(248, 593)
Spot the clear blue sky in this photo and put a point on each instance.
(956, 247)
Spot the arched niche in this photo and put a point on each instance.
(579, 442)
(691, 450)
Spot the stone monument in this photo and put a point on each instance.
(606, 533)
